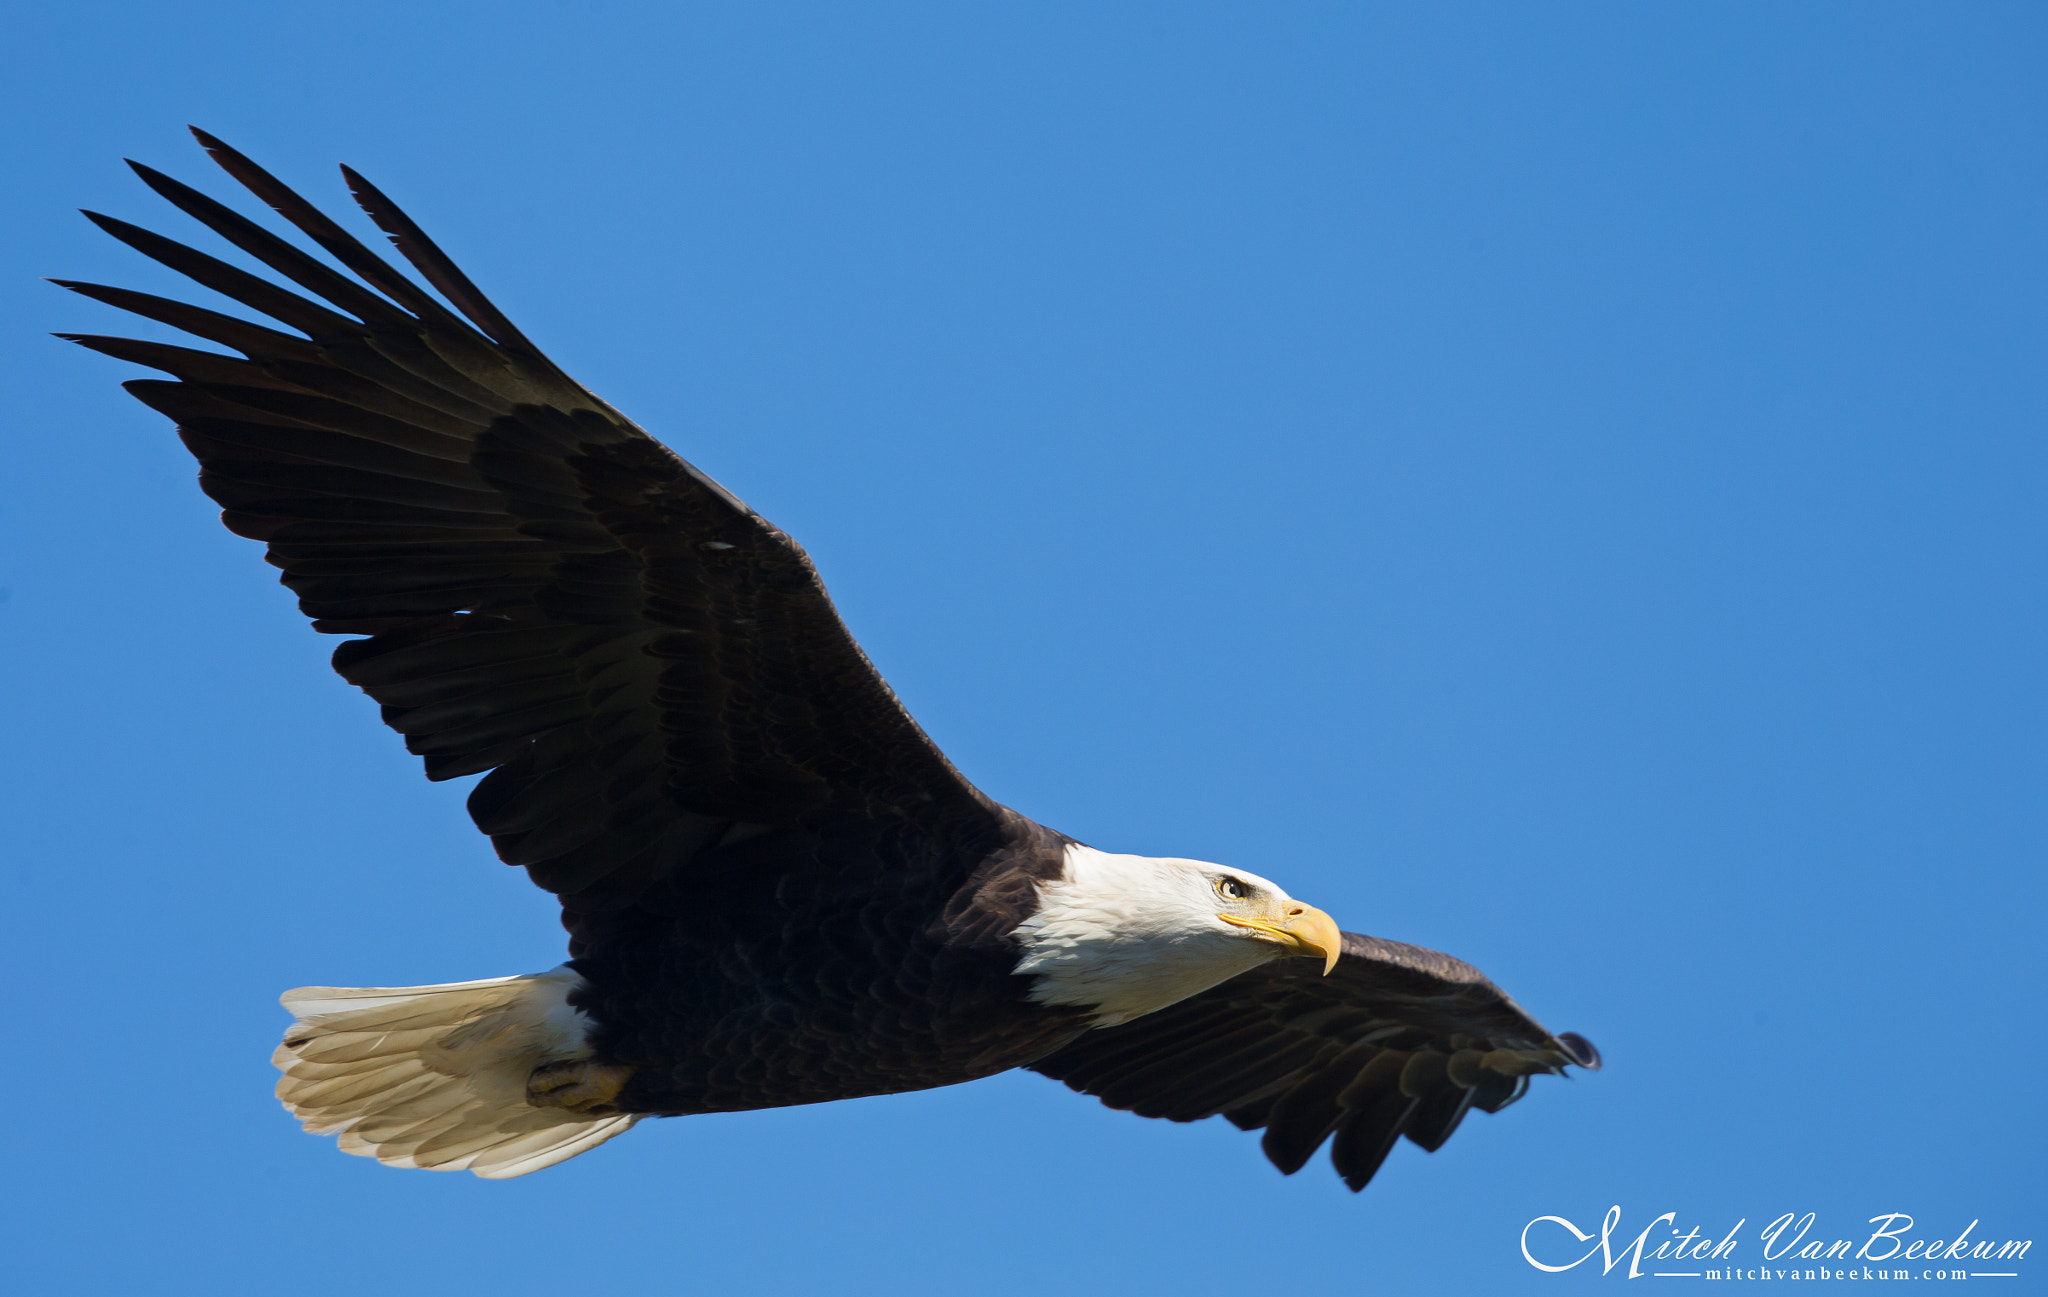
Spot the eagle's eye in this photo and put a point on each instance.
(1230, 889)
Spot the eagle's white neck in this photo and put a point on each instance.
(1125, 935)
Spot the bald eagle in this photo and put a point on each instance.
(668, 707)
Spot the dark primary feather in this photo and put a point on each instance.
(647, 668)
(1397, 1040)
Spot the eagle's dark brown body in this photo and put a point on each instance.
(777, 889)
(817, 978)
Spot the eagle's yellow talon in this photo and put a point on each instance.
(585, 1087)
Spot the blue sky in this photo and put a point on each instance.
(1562, 484)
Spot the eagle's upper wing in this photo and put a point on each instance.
(1396, 1040)
(647, 666)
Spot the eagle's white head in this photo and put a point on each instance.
(1125, 935)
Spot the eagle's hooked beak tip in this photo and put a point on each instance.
(1318, 934)
(1306, 930)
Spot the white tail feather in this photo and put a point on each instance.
(435, 1076)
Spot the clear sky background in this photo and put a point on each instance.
(1560, 483)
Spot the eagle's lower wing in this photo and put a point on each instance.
(647, 666)
(1397, 1040)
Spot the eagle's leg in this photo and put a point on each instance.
(584, 1087)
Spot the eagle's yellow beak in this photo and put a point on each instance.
(1305, 930)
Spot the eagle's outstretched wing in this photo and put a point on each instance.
(647, 666)
(1397, 1040)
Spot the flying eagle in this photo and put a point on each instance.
(777, 889)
